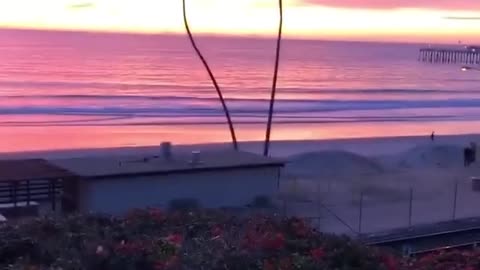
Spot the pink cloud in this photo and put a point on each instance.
(472, 5)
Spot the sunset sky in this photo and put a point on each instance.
(384, 20)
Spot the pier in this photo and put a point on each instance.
(469, 55)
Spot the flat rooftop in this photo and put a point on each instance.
(117, 166)
(31, 169)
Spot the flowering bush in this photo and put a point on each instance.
(154, 240)
(447, 260)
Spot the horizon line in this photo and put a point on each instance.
(215, 35)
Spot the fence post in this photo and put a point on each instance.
(410, 209)
(295, 187)
(319, 199)
(454, 212)
(361, 213)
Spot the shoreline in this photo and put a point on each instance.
(373, 146)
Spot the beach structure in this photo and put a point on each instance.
(426, 238)
(26, 183)
(466, 55)
(470, 154)
(117, 184)
(475, 183)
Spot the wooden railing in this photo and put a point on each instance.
(13, 192)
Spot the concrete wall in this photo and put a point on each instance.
(211, 189)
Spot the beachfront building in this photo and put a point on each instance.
(25, 184)
(116, 184)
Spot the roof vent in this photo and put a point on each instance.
(475, 184)
(195, 158)
(166, 150)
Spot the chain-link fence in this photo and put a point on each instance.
(346, 208)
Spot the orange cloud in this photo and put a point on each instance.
(405, 20)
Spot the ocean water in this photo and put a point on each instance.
(71, 90)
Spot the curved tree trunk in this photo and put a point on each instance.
(212, 78)
(274, 86)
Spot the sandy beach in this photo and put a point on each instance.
(325, 180)
(372, 185)
(375, 146)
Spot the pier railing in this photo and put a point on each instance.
(468, 55)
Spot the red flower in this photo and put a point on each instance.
(285, 264)
(128, 249)
(317, 254)
(390, 262)
(159, 265)
(300, 229)
(250, 241)
(156, 215)
(172, 262)
(134, 214)
(273, 242)
(175, 239)
(268, 265)
(217, 231)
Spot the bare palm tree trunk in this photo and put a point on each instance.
(274, 86)
(214, 81)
